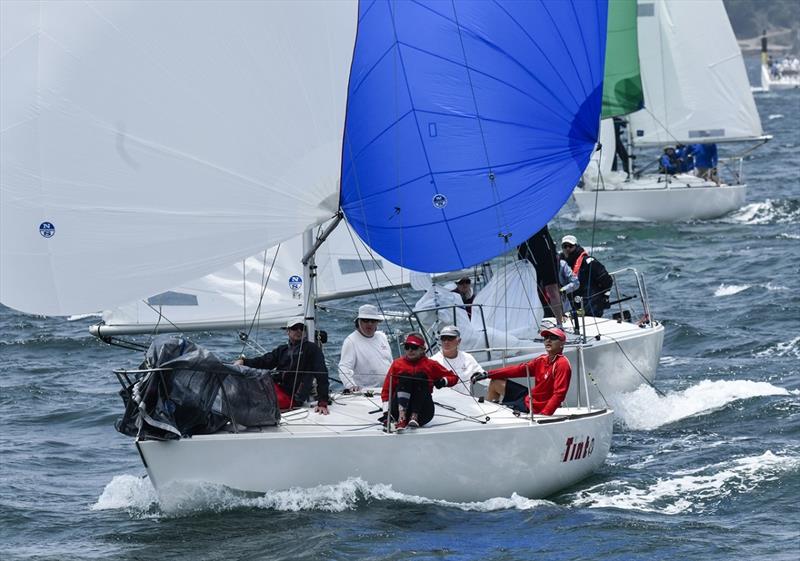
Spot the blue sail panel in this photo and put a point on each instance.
(468, 123)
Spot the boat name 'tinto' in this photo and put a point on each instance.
(578, 449)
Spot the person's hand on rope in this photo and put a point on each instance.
(440, 383)
(478, 376)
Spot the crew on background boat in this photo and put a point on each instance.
(460, 362)
(409, 384)
(550, 372)
(669, 163)
(706, 160)
(366, 354)
(541, 250)
(620, 151)
(298, 364)
(595, 282)
(685, 157)
(464, 288)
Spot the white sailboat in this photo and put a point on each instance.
(620, 352)
(781, 74)
(144, 145)
(696, 90)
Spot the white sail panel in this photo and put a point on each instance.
(148, 143)
(695, 84)
(231, 296)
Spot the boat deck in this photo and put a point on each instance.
(358, 414)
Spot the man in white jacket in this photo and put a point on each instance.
(366, 355)
(460, 362)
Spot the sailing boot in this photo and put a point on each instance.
(402, 419)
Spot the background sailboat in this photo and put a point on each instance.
(696, 90)
(779, 74)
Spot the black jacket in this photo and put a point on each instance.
(297, 366)
(594, 281)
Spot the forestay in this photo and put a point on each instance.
(468, 124)
(687, 100)
(145, 144)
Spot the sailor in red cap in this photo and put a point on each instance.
(551, 373)
(410, 382)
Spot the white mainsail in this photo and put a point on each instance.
(265, 288)
(695, 84)
(147, 144)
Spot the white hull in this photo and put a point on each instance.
(453, 458)
(622, 359)
(785, 82)
(686, 197)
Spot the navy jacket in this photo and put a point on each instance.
(296, 366)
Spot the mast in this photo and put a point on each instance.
(310, 247)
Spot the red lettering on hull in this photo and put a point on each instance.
(577, 448)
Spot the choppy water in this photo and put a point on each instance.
(709, 471)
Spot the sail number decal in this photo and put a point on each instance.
(47, 230)
(577, 449)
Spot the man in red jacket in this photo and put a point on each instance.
(551, 373)
(410, 382)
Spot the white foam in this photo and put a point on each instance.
(775, 116)
(78, 317)
(770, 286)
(138, 496)
(730, 289)
(689, 490)
(790, 236)
(127, 492)
(787, 348)
(767, 212)
(644, 409)
(667, 360)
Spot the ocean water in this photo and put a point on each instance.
(710, 470)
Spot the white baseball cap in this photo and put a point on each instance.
(291, 322)
(368, 311)
(570, 239)
(450, 331)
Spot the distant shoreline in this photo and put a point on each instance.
(784, 34)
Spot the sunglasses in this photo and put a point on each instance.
(552, 338)
(411, 347)
(448, 337)
(297, 328)
(370, 320)
(566, 245)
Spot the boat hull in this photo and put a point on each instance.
(509, 455)
(657, 203)
(623, 358)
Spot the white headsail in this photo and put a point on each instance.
(695, 84)
(145, 144)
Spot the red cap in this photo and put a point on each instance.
(415, 340)
(554, 331)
